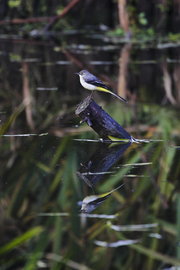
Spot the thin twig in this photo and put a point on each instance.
(62, 14)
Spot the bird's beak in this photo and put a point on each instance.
(77, 73)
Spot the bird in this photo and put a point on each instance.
(91, 82)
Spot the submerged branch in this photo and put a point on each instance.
(100, 121)
(28, 20)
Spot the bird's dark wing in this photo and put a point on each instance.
(95, 81)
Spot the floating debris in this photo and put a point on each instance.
(23, 135)
(63, 62)
(31, 60)
(137, 164)
(101, 216)
(47, 88)
(119, 243)
(155, 235)
(134, 227)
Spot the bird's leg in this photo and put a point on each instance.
(91, 95)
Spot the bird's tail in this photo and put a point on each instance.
(121, 98)
(112, 93)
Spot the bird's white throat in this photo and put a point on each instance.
(86, 85)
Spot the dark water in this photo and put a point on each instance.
(46, 173)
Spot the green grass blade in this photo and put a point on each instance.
(21, 239)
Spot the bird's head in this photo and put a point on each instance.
(82, 73)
